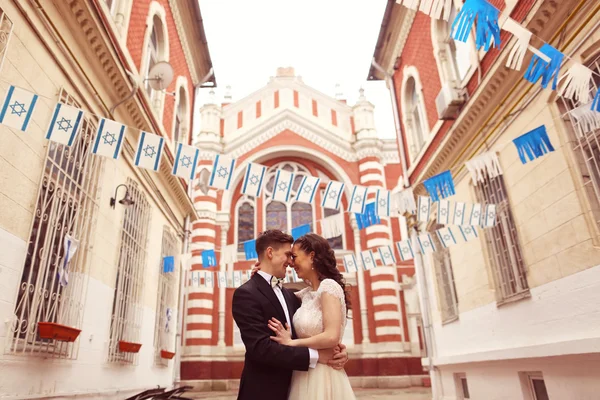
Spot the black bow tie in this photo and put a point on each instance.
(276, 282)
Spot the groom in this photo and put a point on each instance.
(268, 365)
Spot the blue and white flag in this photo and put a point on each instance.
(70, 246)
(248, 275)
(17, 108)
(222, 279)
(350, 263)
(186, 160)
(382, 201)
(196, 278)
(209, 280)
(253, 179)
(368, 260)
(295, 276)
(424, 208)
(65, 124)
(149, 151)
(109, 138)
(237, 279)
(222, 172)
(489, 218)
(358, 200)
(307, 189)
(458, 217)
(169, 315)
(468, 233)
(443, 212)
(446, 236)
(405, 250)
(475, 218)
(283, 185)
(426, 243)
(386, 253)
(333, 195)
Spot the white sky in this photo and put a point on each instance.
(326, 41)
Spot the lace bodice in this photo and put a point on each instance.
(308, 320)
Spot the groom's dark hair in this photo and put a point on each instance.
(272, 238)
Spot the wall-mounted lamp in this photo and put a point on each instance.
(126, 201)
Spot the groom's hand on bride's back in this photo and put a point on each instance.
(336, 358)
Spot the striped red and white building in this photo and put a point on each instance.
(287, 124)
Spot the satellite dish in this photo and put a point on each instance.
(161, 75)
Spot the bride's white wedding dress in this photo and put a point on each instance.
(321, 382)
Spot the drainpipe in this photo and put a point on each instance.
(389, 80)
(180, 319)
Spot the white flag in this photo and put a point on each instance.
(424, 205)
(358, 201)
(196, 279)
(405, 201)
(17, 108)
(283, 185)
(475, 218)
(229, 254)
(382, 202)
(489, 219)
(237, 279)
(368, 260)
(443, 212)
(446, 236)
(468, 233)
(350, 263)
(149, 151)
(307, 189)
(253, 179)
(186, 160)
(386, 253)
(65, 124)
(222, 171)
(209, 280)
(222, 276)
(333, 195)
(184, 260)
(70, 246)
(459, 213)
(109, 138)
(426, 243)
(405, 250)
(332, 226)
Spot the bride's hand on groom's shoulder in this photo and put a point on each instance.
(283, 335)
(255, 269)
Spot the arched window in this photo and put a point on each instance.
(181, 117)
(245, 222)
(415, 119)
(156, 50)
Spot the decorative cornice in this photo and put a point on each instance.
(401, 39)
(184, 42)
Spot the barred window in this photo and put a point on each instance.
(66, 208)
(6, 27)
(445, 279)
(126, 318)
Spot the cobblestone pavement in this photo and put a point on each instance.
(362, 394)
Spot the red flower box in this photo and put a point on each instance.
(166, 354)
(63, 333)
(128, 347)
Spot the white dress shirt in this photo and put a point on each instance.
(314, 354)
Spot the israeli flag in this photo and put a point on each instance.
(489, 218)
(70, 246)
(109, 138)
(443, 212)
(386, 253)
(368, 260)
(424, 208)
(17, 108)
(248, 275)
(186, 160)
(149, 150)
(307, 189)
(295, 276)
(287, 278)
(333, 195)
(350, 263)
(383, 203)
(253, 180)
(446, 236)
(65, 124)
(358, 201)
(222, 172)
(475, 219)
(209, 280)
(405, 250)
(283, 185)
(196, 279)
(222, 276)
(468, 233)
(459, 213)
(237, 279)
(426, 243)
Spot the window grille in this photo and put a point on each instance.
(445, 279)
(6, 26)
(126, 318)
(67, 204)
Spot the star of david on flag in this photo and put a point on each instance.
(209, 280)
(17, 108)
(253, 179)
(489, 219)
(350, 263)
(426, 243)
(423, 208)
(65, 124)
(446, 236)
(459, 213)
(109, 138)
(283, 185)
(468, 233)
(382, 200)
(405, 250)
(476, 215)
(222, 279)
(307, 189)
(443, 212)
(222, 172)
(333, 195)
(186, 160)
(386, 253)
(368, 260)
(196, 278)
(149, 150)
(358, 200)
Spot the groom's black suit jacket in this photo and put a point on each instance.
(268, 365)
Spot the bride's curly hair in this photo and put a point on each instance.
(325, 262)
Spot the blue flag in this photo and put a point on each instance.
(168, 264)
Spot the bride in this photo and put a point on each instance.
(320, 321)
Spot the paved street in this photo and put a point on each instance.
(362, 394)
